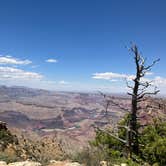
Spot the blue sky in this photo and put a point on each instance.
(61, 44)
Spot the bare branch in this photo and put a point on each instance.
(112, 135)
(129, 93)
(118, 105)
(127, 128)
(127, 83)
(141, 100)
(144, 85)
(109, 101)
(153, 63)
(148, 93)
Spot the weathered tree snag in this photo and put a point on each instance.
(139, 91)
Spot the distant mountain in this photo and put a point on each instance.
(19, 91)
(68, 115)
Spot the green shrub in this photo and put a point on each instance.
(6, 138)
(153, 139)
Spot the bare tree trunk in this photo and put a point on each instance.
(134, 107)
(133, 136)
(138, 93)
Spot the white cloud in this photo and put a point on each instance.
(14, 73)
(160, 81)
(63, 82)
(10, 60)
(113, 80)
(51, 61)
(34, 66)
(112, 76)
(149, 73)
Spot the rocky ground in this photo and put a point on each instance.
(31, 163)
(52, 163)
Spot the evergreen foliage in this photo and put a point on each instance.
(152, 141)
(6, 138)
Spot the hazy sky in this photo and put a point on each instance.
(80, 44)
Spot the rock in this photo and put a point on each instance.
(56, 163)
(63, 163)
(52, 161)
(3, 163)
(103, 163)
(31, 163)
(123, 164)
(73, 164)
(25, 163)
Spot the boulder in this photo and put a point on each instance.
(63, 163)
(3, 163)
(25, 163)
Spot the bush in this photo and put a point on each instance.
(8, 158)
(7, 138)
(154, 140)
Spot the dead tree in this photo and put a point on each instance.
(139, 90)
